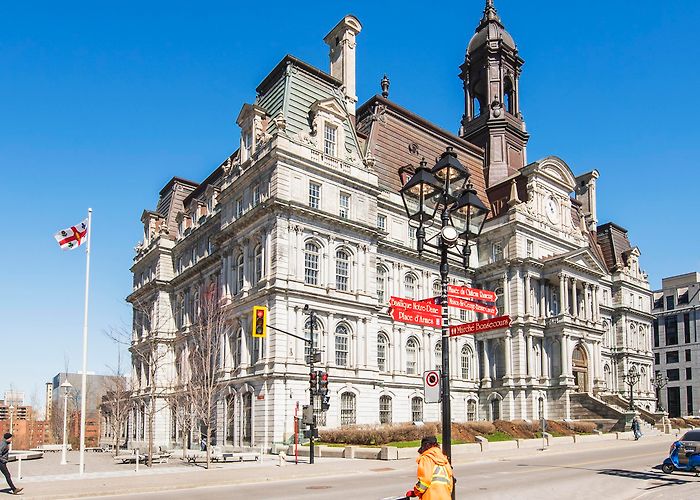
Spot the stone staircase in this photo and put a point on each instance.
(652, 422)
(608, 418)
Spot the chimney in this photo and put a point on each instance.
(585, 193)
(341, 41)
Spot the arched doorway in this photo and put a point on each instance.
(580, 368)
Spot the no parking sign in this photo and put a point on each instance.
(431, 386)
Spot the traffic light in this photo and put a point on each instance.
(313, 382)
(259, 321)
(323, 383)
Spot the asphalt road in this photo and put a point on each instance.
(626, 471)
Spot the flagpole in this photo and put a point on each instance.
(83, 391)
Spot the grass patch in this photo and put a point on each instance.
(498, 436)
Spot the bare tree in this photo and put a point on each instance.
(116, 402)
(180, 403)
(152, 352)
(206, 341)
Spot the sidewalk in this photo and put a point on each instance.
(177, 477)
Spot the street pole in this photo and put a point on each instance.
(12, 414)
(83, 395)
(445, 376)
(65, 427)
(312, 319)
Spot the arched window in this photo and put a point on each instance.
(258, 263)
(607, 376)
(239, 273)
(606, 337)
(643, 380)
(382, 349)
(416, 409)
(381, 284)
(342, 270)
(307, 335)
(347, 409)
(412, 356)
(438, 355)
(476, 105)
(311, 263)
(247, 420)
(508, 95)
(410, 283)
(342, 335)
(495, 409)
(471, 410)
(196, 304)
(385, 410)
(237, 347)
(230, 418)
(437, 288)
(466, 358)
(180, 310)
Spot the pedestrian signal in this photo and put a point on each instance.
(259, 321)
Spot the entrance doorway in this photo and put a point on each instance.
(580, 368)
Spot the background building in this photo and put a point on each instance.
(676, 347)
(307, 211)
(20, 419)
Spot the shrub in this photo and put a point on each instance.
(582, 427)
(377, 434)
(481, 428)
(557, 428)
(516, 429)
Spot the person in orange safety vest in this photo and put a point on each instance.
(435, 480)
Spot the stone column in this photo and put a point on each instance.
(509, 355)
(574, 298)
(544, 360)
(563, 294)
(486, 374)
(596, 309)
(506, 295)
(528, 304)
(565, 361)
(543, 306)
(246, 264)
(530, 356)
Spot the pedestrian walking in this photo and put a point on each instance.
(435, 480)
(636, 428)
(4, 456)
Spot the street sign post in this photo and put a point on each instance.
(480, 326)
(431, 386)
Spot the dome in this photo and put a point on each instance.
(490, 28)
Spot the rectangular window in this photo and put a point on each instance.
(329, 140)
(247, 144)
(657, 358)
(656, 333)
(311, 266)
(239, 208)
(530, 248)
(385, 410)
(381, 222)
(314, 195)
(673, 375)
(672, 357)
(256, 195)
(671, 326)
(412, 236)
(344, 203)
(682, 296)
(689, 399)
(689, 373)
(417, 410)
(463, 315)
(496, 252)
(342, 272)
(669, 302)
(341, 350)
(687, 354)
(686, 327)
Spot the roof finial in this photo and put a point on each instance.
(385, 86)
(490, 13)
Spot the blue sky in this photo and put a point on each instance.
(102, 104)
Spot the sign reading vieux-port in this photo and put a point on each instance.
(480, 326)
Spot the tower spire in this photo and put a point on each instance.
(490, 14)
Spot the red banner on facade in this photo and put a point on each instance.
(480, 326)
(465, 292)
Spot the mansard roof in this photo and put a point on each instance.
(614, 244)
(397, 137)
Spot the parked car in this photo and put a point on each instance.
(690, 443)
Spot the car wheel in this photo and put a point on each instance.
(667, 468)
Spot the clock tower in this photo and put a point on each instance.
(491, 78)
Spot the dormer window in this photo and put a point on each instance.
(247, 144)
(330, 139)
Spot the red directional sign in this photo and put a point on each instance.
(465, 292)
(471, 306)
(480, 326)
(415, 312)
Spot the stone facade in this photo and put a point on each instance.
(307, 211)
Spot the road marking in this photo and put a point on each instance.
(571, 466)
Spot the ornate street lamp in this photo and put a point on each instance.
(631, 378)
(66, 386)
(659, 382)
(442, 195)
